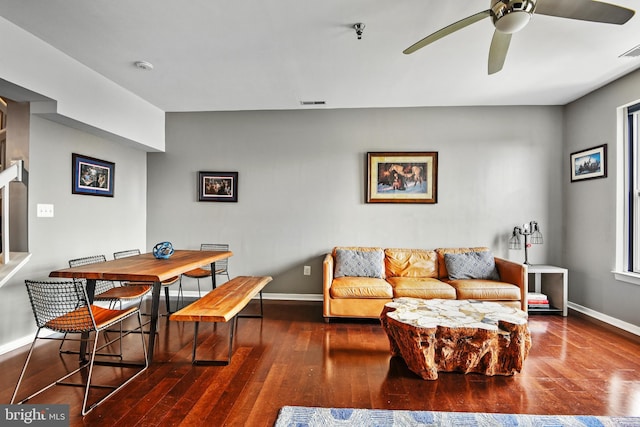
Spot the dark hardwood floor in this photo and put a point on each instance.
(291, 357)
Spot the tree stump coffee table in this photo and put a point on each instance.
(466, 336)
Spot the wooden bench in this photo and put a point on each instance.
(222, 304)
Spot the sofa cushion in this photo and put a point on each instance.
(471, 265)
(427, 288)
(442, 267)
(359, 263)
(360, 287)
(410, 263)
(488, 290)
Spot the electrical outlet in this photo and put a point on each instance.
(45, 210)
(306, 270)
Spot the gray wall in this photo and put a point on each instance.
(301, 184)
(82, 225)
(302, 192)
(590, 206)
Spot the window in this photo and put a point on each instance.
(633, 190)
(628, 232)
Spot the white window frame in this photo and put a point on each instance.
(627, 266)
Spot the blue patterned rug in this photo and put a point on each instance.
(300, 416)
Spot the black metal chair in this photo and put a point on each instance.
(165, 283)
(63, 306)
(221, 266)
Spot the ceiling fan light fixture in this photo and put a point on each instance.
(511, 16)
(513, 22)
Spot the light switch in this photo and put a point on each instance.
(45, 210)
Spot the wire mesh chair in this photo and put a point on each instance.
(221, 266)
(165, 283)
(107, 291)
(63, 306)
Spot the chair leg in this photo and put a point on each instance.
(24, 368)
(86, 410)
(62, 343)
(120, 340)
(107, 343)
(180, 296)
(166, 299)
(91, 360)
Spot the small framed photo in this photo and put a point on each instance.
(92, 177)
(397, 177)
(589, 164)
(218, 186)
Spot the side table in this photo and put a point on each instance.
(553, 282)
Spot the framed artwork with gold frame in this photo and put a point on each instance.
(402, 177)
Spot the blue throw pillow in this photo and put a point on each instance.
(354, 263)
(471, 265)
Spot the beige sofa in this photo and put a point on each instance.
(359, 281)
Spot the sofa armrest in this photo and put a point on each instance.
(327, 279)
(517, 274)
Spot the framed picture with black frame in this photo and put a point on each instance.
(91, 176)
(589, 164)
(217, 186)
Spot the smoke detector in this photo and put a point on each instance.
(143, 65)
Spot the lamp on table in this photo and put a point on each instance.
(532, 235)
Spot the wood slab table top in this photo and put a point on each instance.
(144, 267)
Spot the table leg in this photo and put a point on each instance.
(91, 290)
(155, 308)
(213, 274)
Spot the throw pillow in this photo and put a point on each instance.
(356, 263)
(471, 265)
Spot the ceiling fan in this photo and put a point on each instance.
(511, 16)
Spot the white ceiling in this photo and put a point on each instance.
(212, 55)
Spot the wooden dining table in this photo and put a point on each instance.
(143, 268)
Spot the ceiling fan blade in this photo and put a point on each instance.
(447, 30)
(585, 10)
(498, 51)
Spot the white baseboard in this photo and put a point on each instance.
(265, 295)
(10, 346)
(620, 324)
(625, 326)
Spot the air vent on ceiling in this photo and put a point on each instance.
(312, 102)
(633, 53)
